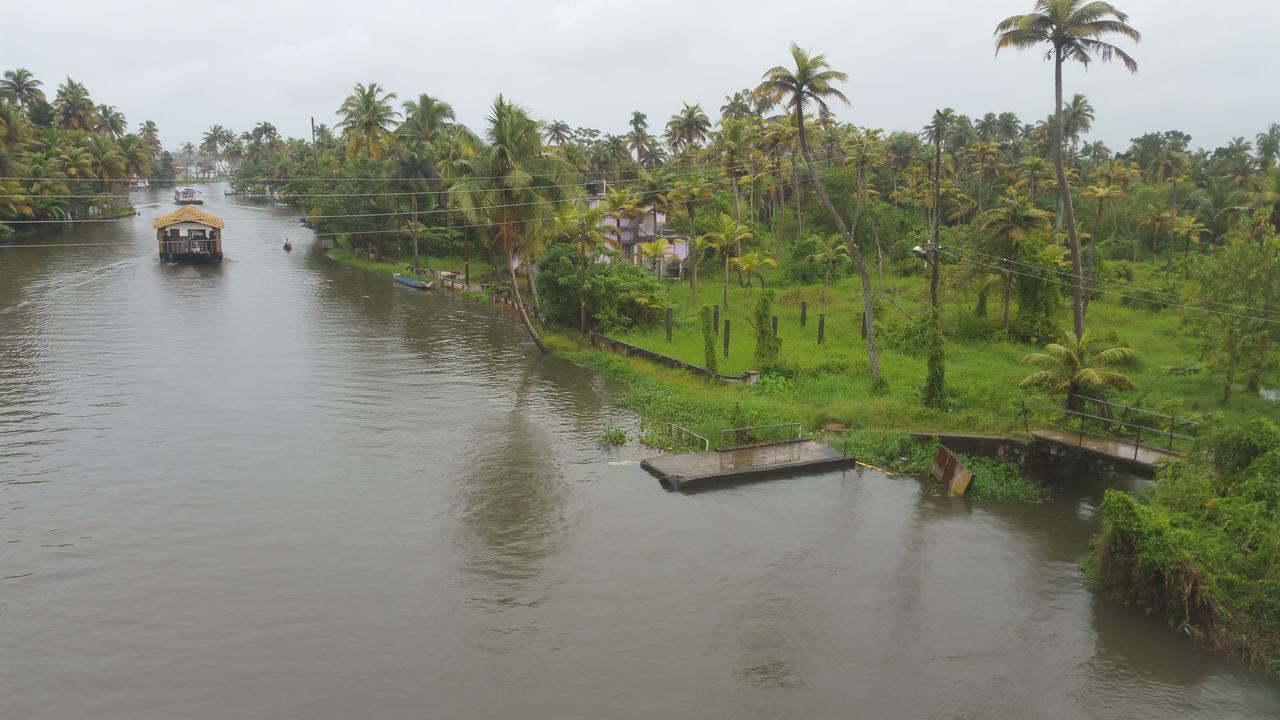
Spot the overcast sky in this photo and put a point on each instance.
(1209, 68)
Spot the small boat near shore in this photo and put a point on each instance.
(414, 283)
(187, 196)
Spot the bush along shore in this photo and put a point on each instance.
(1201, 547)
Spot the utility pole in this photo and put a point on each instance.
(936, 219)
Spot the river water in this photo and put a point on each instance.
(282, 488)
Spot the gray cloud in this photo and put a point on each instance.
(1206, 68)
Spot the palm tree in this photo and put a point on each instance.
(811, 83)
(653, 252)
(558, 132)
(511, 183)
(750, 263)
(622, 202)
(72, 106)
(581, 225)
(736, 106)
(150, 134)
(1072, 29)
(1102, 193)
(111, 121)
(828, 253)
(727, 235)
(1077, 118)
(367, 118)
(1076, 367)
(687, 192)
(1268, 147)
(20, 87)
(687, 128)
(698, 247)
(1010, 223)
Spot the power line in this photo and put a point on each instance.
(777, 170)
(1122, 295)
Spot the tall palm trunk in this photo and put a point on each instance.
(868, 307)
(533, 287)
(935, 220)
(1093, 253)
(726, 279)
(737, 218)
(507, 245)
(1064, 198)
(582, 285)
(1008, 289)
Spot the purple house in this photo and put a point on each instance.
(629, 235)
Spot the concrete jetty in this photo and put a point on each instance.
(693, 470)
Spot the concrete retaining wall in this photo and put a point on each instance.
(618, 347)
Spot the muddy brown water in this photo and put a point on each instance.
(283, 488)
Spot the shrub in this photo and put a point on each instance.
(613, 435)
(767, 343)
(619, 295)
(934, 392)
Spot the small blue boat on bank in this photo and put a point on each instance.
(414, 283)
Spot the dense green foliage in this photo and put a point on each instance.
(1202, 547)
(619, 295)
(768, 344)
(934, 392)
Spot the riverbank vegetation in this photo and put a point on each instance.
(929, 278)
(68, 158)
(1201, 548)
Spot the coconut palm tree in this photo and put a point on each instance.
(110, 121)
(581, 225)
(727, 235)
(367, 118)
(1072, 30)
(687, 128)
(511, 184)
(150, 134)
(827, 253)
(1078, 368)
(1077, 118)
(750, 263)
(20, 87)
(558, 132)
(698, 247)
(653, 253)
(73, 108)
(1268, 144)
(736, 106)
(1010, 223)
(1102, 193)
(812, 83)
(624, 203)
(687, 192)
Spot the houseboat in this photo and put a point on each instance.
(187, 196)
(137, 183)
(189, 235)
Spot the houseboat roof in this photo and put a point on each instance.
(188, 213)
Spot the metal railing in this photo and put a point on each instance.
(1117, 427)
(189, 246)
(752, 436)
(687, 436)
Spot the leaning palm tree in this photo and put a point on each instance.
(20, 87)
(1078, 368)
(727, 235)
(367, 118)
(511, 184)
(1072, 30)
(827, 253)
(1010, 223)
(812, 83)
